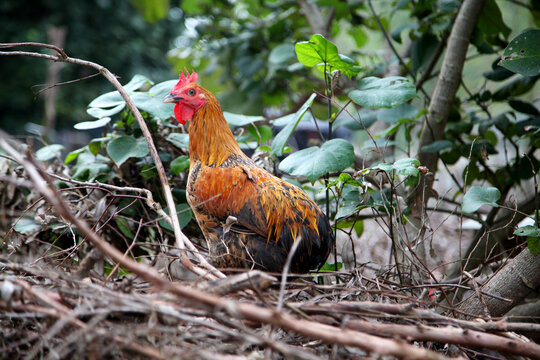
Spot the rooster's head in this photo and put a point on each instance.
(187, 95)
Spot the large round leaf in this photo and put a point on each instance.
(124, 147)
(478, 196)
(522, 55)
(314, 162)
(378, 93)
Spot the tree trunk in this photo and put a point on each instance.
(449, 79)
(57, 37)
(514, 281)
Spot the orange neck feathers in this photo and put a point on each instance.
(210, 139)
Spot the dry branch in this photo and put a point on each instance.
(448, 335)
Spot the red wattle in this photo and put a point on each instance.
(183, 113)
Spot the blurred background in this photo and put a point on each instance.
(244, 49)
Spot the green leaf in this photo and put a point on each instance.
(180, 164)
(152, 101)
(522, 55)
(26, 226)
(438, 146)
(74, 154)
(393, 115)
(515, 87)
(124, 147)
(498, 73)
(528, 230)
(123, 226)
(112, 103)
(184, 216)
(532, 232)
(314, 162)
(491, 21)
(261, 133)
(152, 10)
(49, 152)
(331, 267)
(315, 51)
(385, 167)
(87, 125)
(478, 196)
(378, 93)
(88, 166)
(95, 146)
(319, 51)
(281, 54)
(137, 82)
(280, 140)
(350, 199)
(359, 120)
(407, 166)
(100, 113)
(241, 120)
(422, 50)
(533, 243)
(107, 100)
(179, 140)
(523, 107)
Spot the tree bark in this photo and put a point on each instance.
(514, 281)
(449, 79)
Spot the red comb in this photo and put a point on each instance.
(186, 78)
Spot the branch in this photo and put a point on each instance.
(181, 240)
(448, 335)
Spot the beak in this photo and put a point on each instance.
(171, 99)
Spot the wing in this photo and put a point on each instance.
(260, 201)
(230, 191)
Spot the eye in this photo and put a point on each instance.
(191, 92)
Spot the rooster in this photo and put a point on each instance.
(249, 217)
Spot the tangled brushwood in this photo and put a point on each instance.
(89, 300)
